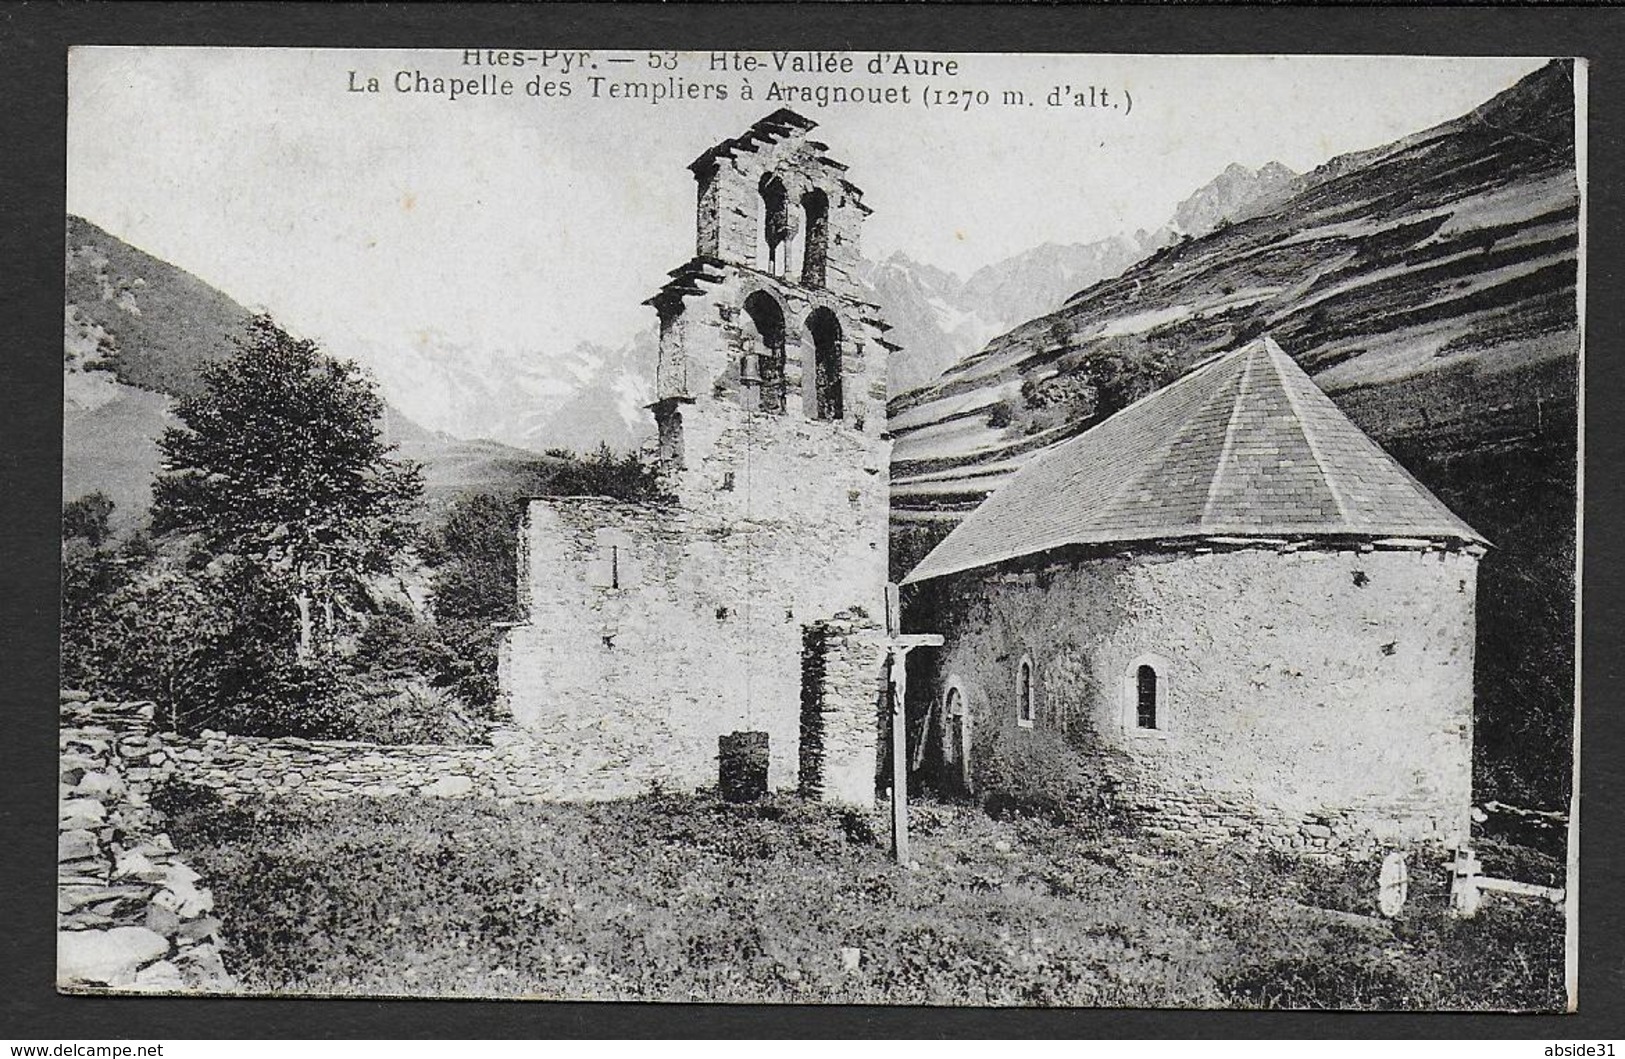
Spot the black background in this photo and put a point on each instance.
(34, 39)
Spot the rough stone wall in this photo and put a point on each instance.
(703, 347)
(130, 915)
(700, 635)
(743, 464)
(1320, 700)
(843, 694)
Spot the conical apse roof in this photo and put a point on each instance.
(1244, 446)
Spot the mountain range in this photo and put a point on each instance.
(940, 319)
(136, 330)
(1429, 288)
(576, 397)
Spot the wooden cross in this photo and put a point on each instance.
(1468, 883)
(898, 645)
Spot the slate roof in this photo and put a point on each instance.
(1245, 445)
(776, 126)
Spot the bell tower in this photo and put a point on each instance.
(735, 620)
(771, 362)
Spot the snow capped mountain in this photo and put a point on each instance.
(537, 400)
(1235, 193)
(578, 397)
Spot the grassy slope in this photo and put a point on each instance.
(143, 328)
(685, 898)
(1429, 286)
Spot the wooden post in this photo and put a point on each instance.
(897, 686)
(897, 648)
(899, 757)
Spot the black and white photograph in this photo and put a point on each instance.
(839, 527)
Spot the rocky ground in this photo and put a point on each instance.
(131, 914)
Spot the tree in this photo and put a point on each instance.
(604, 474)
(90, 517)
(280, 465)
(92, 571)
(474, 552)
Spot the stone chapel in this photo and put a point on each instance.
(1227, 591)
(1257, 618)
(742, 612)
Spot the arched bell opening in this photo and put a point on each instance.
(828, 397)
(762, 372)
(778, 227)
(815, 255)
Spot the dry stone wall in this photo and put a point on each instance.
(512, 767)
(131, 914)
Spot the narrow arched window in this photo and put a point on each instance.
(1145, 702)
(825, 331)
(815, 256)
(956, 749)
(762, 369)
(1024, 694)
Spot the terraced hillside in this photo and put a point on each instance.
(1428, 286)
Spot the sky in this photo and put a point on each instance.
(364, 219)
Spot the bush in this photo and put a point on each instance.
(468, 668)
(273, 697)
(175, 797)
(1037, 773)
(88, 518)
(412, 712)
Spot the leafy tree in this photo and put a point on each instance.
(88, 518)
(473, 549)
(92, 572)
(280, 465)
(1094, 382)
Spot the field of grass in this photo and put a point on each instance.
(672, 898)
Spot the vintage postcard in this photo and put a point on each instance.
(836, 527)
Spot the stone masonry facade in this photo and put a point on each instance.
(1314, 698)
(842, 662)
(651, 631)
